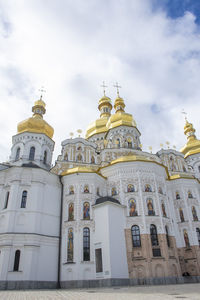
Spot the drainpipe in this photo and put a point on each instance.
(60, 234)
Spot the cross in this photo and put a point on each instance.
(104, 86)
(42, 90)
(184, 113)
(117, 86)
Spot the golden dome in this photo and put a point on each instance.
(99, 126)
(193, 144)
(119, 104)
(36, 124)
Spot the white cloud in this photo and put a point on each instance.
(70, 47)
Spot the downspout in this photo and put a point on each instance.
(60, 234)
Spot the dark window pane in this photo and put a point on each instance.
(135, 231)
(86, 244)
(16, 262)
(99, 264)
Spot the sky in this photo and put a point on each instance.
(150, 47)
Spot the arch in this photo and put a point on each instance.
(70, 245)
(150, 208)
(71, 212)
(177, 196)
(86, 189)
(130, 188)
(135, 232)
(154, 236)
(132, 208)
(159, 271)
(190, 195)
(194, 214)
(6, 200)
(32, 153)
(17, 260)
(86, 244)
(17, 154)
(45, 158)
(71, 190)
(186, 238)
(181, 215)
(24, 199)
(198, 235)
(167, 236)
(147, 188)
(86, 211)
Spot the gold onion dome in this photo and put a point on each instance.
(193, 144)
(120, 118)
(36, 124)
(99, 126)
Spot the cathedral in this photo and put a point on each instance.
(106, 213)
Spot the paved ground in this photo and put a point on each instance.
(184, 291)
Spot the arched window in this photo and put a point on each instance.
(66, 157)
(17, 154)
(32, 153)
(177, 196)
(167, 236)
(6, 200)
(163, 210)
(86, 244)
(92, 160)
(129, 142)
(198, 235)
(45, 157)
(24, 198)
(154, 236)
(147, 188)
(16, 261)
(135, 232)
(118, 143)
(86, 211)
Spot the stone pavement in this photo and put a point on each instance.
(181, 291)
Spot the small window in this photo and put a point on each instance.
(6, 200)
(32, 153)
(154, 236)
(194, 214)
(16, 261)
(156, 252)
(45, 157)
(167, 236)
(113, 191)
(70, 245)
(135, 231)
(199, 168)
(163, 210)
(160, 191)
(92, 160)
(71, 190)
(177, 196)
(190, 195)
(86, 244)
(186, 238)
(24, 198)
(17, 154)
(66, 157)
(79, 157)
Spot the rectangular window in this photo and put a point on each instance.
(98, 257)
(156, 252)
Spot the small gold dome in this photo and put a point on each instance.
(119, 104)
(193, 144)
(120, 119)
(36, 124)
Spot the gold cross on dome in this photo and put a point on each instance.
(42, 90)
(117, 87)
(185, 114)
(104, 88)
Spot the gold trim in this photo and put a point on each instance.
(81, 169)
